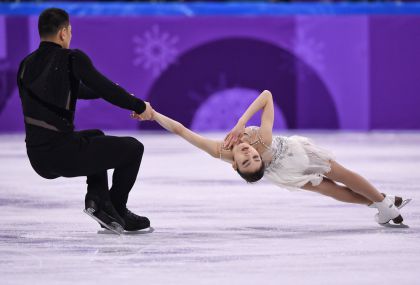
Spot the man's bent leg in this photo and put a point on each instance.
(97, 186)
(125, 175)
(86, 155)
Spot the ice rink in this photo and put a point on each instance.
(210, 226)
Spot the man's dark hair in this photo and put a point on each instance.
(51, 21)
(252, 177)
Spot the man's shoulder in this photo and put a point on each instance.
(28, 57)
(79, 57)
(77, 52)
(25, 60)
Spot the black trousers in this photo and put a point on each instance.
(91, 153)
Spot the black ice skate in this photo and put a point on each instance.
(105, 215)
(134, 222)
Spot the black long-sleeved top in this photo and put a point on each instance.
(55, 78)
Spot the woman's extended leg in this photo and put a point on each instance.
(354, 181)
(338, 192)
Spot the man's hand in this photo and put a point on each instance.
(233, 136)
(146, 115)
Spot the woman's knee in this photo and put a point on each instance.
(323, 188)
(339, 173)
(309, 187)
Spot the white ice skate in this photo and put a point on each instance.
(388, 212)
(398, 201)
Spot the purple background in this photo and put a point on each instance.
(354, 72)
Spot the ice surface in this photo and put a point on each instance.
(210, 227)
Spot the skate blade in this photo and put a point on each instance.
(392, 225)
(404, 203)
(114, 227)
(148, 230)
(396, 221)
(140, 232)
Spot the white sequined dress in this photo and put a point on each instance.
(292, 162)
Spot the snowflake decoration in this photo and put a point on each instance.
(310, 50)
(155, 50)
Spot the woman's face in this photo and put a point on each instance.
(246, 158)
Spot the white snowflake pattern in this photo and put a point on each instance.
(310, 49)
(155, 50)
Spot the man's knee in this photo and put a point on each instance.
(97, 133)
(92, 133)
(136, 147)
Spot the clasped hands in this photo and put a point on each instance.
(147, 114)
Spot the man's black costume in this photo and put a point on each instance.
(50, 81)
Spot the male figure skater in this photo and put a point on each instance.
(50, 81)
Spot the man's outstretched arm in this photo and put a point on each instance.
(86, 93)
(97, 85)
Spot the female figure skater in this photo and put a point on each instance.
(290, 162)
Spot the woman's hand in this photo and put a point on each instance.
(139, 117)
(234, 135)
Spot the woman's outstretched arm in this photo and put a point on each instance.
(212, 147)
(265, 102)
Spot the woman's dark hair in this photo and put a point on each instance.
(253, 176)
(51, 21)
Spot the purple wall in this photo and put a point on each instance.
(354, 72)
(395, 78)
